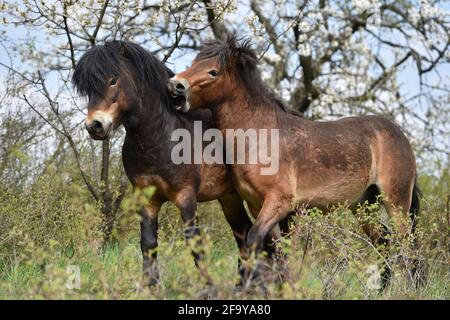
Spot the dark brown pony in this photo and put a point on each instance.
(127, 85)
(351, 161)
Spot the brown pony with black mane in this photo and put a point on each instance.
(353, 160)
(126, 85)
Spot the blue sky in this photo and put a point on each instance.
(407, 77)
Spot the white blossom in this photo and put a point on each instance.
(304, 26)
(413, 15)
(304, 49)
(366, 5)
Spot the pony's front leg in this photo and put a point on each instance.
(149, 242)
(186, 201)
(275, 208)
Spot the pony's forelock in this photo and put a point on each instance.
(230, 52)
(120, 59)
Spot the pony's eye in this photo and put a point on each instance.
(213, 73)
(112, 81)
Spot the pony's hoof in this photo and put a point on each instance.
(209, 293)
(150, 280)
(238, 286)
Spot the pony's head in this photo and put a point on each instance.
(115, 77)
(217, 71)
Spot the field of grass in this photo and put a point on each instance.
(329, 258)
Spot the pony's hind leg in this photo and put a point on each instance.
(186, 201)
(396, 175)
(375, 230)
(397, 196)
(236, 216)
(397, 202)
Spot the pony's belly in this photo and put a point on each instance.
(326, 194)
(335, 179)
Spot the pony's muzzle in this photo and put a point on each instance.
(178, 89)
(98, 129)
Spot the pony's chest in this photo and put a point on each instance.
(246, 186)
(143, 181)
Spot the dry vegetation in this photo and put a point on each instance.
(45, 238)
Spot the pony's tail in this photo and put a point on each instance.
(415, 205)
(418, 270)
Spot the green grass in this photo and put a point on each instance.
(42, 237)
(115, 273)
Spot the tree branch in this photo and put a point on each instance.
(179, 32)
(218, 28)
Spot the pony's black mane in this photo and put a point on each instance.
(242, 58)
(114, 59)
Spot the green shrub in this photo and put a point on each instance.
(50, 234)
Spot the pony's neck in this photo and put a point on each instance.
(150, 123)
(256, 108)
(252, 113)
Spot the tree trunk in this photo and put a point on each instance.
(106, 197)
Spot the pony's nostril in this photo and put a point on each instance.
(96, 126)
(180, 87)
(89, 128)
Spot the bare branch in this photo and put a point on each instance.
(218, 28)
(181, 29)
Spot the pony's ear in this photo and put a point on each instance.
(232, 40)
(242, 53)
(123, 49)
(246, 56)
